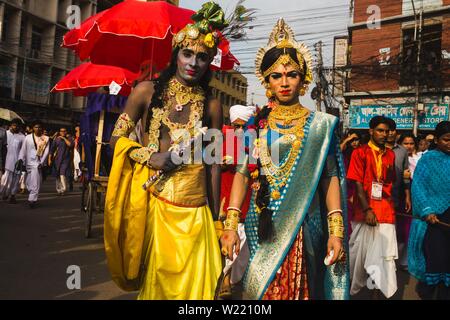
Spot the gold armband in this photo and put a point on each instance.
(124, 126)
(141, 155)
(336, 225)
(232, 220)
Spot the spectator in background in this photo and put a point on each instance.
(46, 166)
(431, 141)
(348, 145)
(409, 142)
(77, 153)
(424, 145)
(23, 176)
(28, 130)
(3, 143)
(10, 179)
(232, 154)
(373, 242)
(60, 158)
(429, 241)
(70, 173)
(34, 154)
(401, 194)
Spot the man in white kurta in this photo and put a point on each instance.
(34, 154)
(9, 183)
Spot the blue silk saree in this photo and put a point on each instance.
(302, 207)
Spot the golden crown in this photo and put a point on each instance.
(282, 36)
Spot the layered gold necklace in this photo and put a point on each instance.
(183, 95)
(195, 96)
(278, 175)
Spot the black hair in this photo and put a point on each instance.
(36, 122)
(377, 120)
(391, 123)
(408, 135)
(160, 85)
(272, 56)
(442, 128)
(265, 225)
(16, 121)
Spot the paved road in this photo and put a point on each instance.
(38, 245)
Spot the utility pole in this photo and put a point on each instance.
(318, 48)
(417, 79)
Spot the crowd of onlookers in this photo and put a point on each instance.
(31, 153)
(398, 198)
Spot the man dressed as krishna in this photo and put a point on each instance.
(160, 239)
(296, 224)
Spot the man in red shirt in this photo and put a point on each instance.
(373, 243)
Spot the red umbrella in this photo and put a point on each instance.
(132, 32)
(88, 77)
(76, 38)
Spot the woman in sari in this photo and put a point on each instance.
(429, 240)
(297, 215)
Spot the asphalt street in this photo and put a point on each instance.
(37, 246)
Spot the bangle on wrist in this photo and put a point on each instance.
(232, 220)
(334, 211)
(336, 226)
(234, 208)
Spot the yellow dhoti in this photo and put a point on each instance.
(182, 254)
(161, 242)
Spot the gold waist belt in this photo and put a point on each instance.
(185, 187)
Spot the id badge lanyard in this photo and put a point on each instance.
(377, 186)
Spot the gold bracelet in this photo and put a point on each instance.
(336, 226)
(232, 220)
(234, 214)
(230, 224)
(124, 126)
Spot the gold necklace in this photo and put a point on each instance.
(161, 115)
(183, 95)
(278, 175)
(286, 115)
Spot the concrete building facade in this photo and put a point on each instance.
(230, 87)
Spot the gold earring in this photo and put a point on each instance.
(269, 94)
(302, 90)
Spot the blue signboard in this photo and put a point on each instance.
(359, 116)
